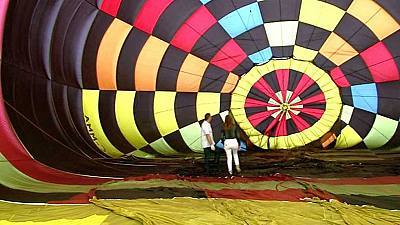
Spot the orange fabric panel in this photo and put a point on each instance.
(337, 49)
(148, 62)
(230, 83)
(191, 74)
(107, 56)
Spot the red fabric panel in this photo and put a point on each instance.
(257, 118)
(272, 125)
(229, 56)
(300, 123)
(317, 113)
(250, 102)
(380, 63)
(283, 80)
(149, 14)
(281, 130)
(197, 24)
(304, 83)
(319, 98)
(339, 78)
(110, 6)
(264, 87)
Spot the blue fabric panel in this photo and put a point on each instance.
(242, 20)
(262, 56)
(365, 97)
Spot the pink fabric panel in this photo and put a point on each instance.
(229, 56)
(110, 6)
(339, 78)
(190, 32)
(149, 14)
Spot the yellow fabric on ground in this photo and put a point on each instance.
(225, 211)
(195, 211)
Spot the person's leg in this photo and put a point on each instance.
(228, 152)
(236, 159)
(207, 156)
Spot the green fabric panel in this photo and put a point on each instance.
(381, 132)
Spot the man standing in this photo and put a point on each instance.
(207, 140)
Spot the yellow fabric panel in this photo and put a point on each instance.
(207, 103)
(164, 112)
(348, 138)
(108, 53)
(162, 147)
(320, 14)
(302, 53)
(313, 133)
(191, 74)
(148, 62)
(45, 214)
(124, 108)
(230, 83)
(90, 101)
(191, 136)
(229, 211)
(375, 17)
(337, 49)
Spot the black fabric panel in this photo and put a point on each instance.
(213, 80)
(389, 99)
(264, 124)
(315, 105)
(75, 106)
(150, 150)
(217, 124)
(243, 67)
(61, 27)
(308, 118)
(323, 63)
(254, 110)
(310, 91)
(256, 94)
(253, 40)
(151, 193)
(294, 79)
(272, 80)
(185, 109)
(291, 127)
(173, 17)
(384, 202)
(8, 81)
(40, 36)
(74, 43)
(362, 121)
(14, 195)
(169, 69)
(129, 10)
(311, 37)
(129, 54)
(69, 130)
(281, 52)
(343, 4)
(109, 122)
(392, 44)
(211, 42)
(356, 71)
(278, 10)
(392, 7)
(356, 33)
(225, 102)
(347, 97)
(221, 8)
(176, 141)
(99, 27)
(144, 116)
(16, 34)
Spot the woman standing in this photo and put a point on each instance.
(231, 141)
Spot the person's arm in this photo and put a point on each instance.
(222, 136)
(237, 133)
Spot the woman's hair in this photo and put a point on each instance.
(228, 124)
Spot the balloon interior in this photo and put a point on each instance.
(104, 99)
